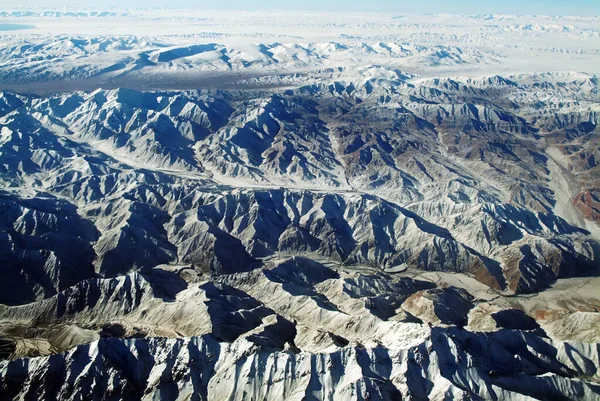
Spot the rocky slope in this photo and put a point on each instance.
(375, 236)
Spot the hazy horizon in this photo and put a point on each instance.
(580, 7)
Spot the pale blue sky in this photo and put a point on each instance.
(548, 7)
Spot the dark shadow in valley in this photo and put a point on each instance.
(234, 81)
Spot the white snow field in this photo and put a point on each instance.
(208, 205)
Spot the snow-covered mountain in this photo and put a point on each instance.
(73, 58)
(318, 219)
